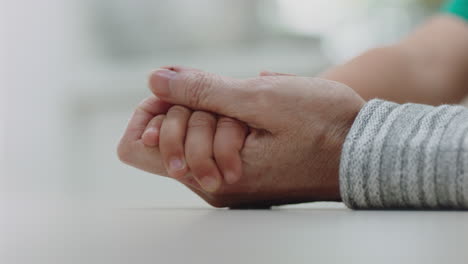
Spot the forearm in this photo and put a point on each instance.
(429, 66)
(406, 156)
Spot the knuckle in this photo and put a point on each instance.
(196, 157)
(224, 154)
(198, 85)
(201, 119)
(160, 119)
(171, 145)
(196, 160)
(179, 110)
(157, 120)
(226, 122)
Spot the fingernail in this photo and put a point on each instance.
(209, 184)
(267, 73)
(159, 81)
(176, 164)
(164, 73)
(230, 177)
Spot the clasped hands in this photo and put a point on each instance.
(270, 140)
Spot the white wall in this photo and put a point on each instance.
(67, 106)
(37, 45)
(2, 94)
(65, 99)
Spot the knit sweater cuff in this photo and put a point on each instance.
(406, 156)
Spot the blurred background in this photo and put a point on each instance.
(73, 70)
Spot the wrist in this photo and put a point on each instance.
(335, 138)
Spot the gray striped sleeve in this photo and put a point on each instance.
(406, 156)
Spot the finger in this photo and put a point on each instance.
(171, 140)
(151, 135)
(203, 91)
(145, 111)
(126, 149)
(189, 180)
(228, 142)
(199, 150)
(178, 68)
(213, 200)
(270, 73)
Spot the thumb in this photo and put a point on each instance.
(202, 91)
(270, 73)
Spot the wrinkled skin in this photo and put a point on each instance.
(297, 126)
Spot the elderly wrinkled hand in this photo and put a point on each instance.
(289, 153)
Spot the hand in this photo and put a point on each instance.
(146, 130)
(298, 126)
(200, 143)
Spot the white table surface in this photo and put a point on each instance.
(321, 234)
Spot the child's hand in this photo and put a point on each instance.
(198, 144)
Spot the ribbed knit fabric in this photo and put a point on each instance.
(406, 156)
